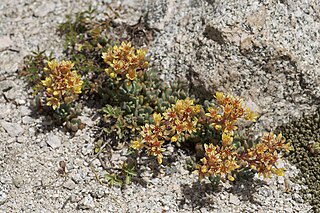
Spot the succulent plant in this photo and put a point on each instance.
(61, 85)
(56, 88)
(133, 90)
(224, 157)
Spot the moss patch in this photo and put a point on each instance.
(304, 135)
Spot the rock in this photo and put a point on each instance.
(252, 106)
(27, 120)
(32, 131)
(234, 199)
(86, 120)
(21, 102)
(54, 141)
(7, 85)
(22, 139)
(170, 149)
(17, 181)
(241, 66)
(45, 181)
(288, 209)
(86, 203)
(77, 178)
(11, 140)
(280, 179)
(69, 184)
(74, 199)
(13, 129)
(204, 210)
(281, 163)
(3, 197)
(12, 94)
(87, 149)
(5, 42)
(24, 110)
(98, 193)
(182, 170)
(44, 9)
(296, 197)
(222, 196)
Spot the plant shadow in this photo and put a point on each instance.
(198, 195)
(203, 194)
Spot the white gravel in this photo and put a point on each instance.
(30, 151)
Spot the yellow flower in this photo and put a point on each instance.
(61, 85)
(227, 109)
(126, 46)
(159, 158)
(131, 75)
(197, 109)
(191, 127)
(230, 177)
(251, 116)
(287, 147)
(179, 106)
(220, 97)
(212, 112)
(141, 54)
(52, 65)
(227, 138)
(278, 172)
(157, 118)
(137, 144)
(261, 148)
(124, 61)
(174, 138)
(112, 75)
(217, 126)
(47, 82)
(54, 102)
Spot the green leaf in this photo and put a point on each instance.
(128, 179)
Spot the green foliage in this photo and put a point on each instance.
(113, 179)
(85, 40)
(33, 69)
(75, 27)
(132, 103)
(121, 176)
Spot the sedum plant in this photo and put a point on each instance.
(227, 161)
(176, 123)
(124, 61)
(223, 157)
(61, 84)
(133, 91)
(59, 90)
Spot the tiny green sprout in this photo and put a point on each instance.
(113, 180)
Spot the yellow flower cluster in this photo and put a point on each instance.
(62, 85)
(222, 161)
(225, 160)
(124, 61)
(224, 118)
(264, 155)
(218, 162)
(185, 118)
(180, 119)
(152, 138)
